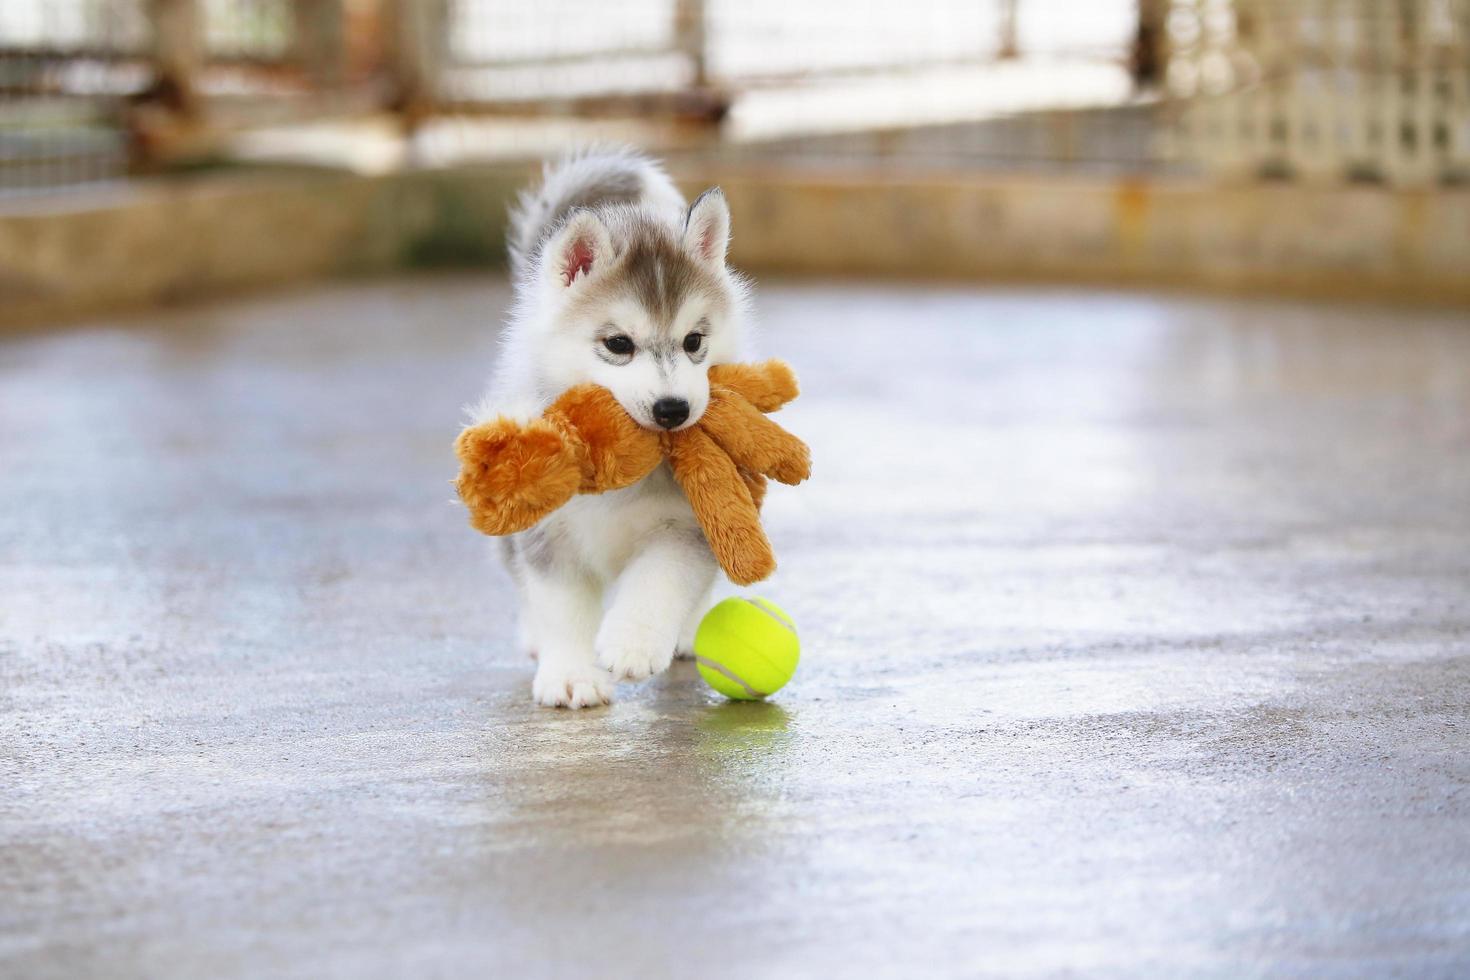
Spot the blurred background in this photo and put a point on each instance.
(1133, 578)
(1290, 144)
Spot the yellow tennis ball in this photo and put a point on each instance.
(746, 648)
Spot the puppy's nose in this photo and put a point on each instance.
(670, 412)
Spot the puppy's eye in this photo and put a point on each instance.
(692, 342)
(619, 344)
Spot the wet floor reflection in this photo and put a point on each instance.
(670, 763)
(742, 743)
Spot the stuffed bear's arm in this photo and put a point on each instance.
(767, 385)
(753, 441)
(512, 475)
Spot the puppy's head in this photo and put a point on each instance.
(642, 308)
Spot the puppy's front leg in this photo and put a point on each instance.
(684, 649)
(561, 610)
(667, 578)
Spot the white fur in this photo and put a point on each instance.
(610, 585)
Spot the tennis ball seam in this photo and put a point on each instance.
(773, 612)
(726, 672)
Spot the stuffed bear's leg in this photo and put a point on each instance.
(561, 611)
(723, 504)
(657, 592)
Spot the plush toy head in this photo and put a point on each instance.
(514, 475)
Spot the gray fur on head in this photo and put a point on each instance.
(594, 178)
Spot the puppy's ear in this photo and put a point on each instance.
(578, 250)
(707, 227)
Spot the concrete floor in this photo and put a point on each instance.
(1137, 641)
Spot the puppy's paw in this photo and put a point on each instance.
(579, 686)
(634, 654)
(684, 649)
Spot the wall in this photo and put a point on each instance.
(167, 240)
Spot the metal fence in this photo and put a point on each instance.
(1322, 89)
(1316, 89)
(61, 64)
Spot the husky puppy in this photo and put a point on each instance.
(619, 284)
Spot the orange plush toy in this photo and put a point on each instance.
(513, 475)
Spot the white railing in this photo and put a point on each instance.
(1305, 89)
(1322, 89)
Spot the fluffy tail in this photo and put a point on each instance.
(589, 179)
